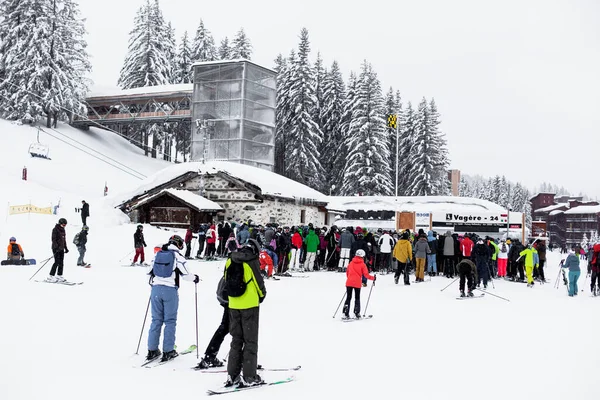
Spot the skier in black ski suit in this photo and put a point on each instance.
(514, 255)
(333, 256)
(481, 255)
(467, 270)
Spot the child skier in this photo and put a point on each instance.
(139, 243)
(357, 269)
(267, 259)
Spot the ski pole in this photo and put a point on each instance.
(339, 305)
(128, 254)
(486, 292)
(450, 284)
(196, 305)
(43, 265)
(369, 298)
(143, 325)
(585, 281)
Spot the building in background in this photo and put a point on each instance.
(233, 113)
(567, 218)
(454, 178)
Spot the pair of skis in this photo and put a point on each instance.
(66, 283)
(149, 363)
(234, 389)
(344, 319)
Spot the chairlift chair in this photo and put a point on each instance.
(38, 149)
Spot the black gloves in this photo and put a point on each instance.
(261, 299)
(374, 278)
(196, 279)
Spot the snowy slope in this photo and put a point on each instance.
(78, 342)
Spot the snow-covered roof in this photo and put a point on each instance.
(201, 203)
(584, 210)
(118, 92)
(413, 203)
(235, 60)
(269, 182)
(369, 224)
(552, 207)
(556, 212)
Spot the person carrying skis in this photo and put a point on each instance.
(467, 270)
(80, 240)
(14, 252)
(529, 263)
(59, 248)
(245, 291)
(403, 253)
(139, 243)
(572, 263)
(357, 269)
(169, 266)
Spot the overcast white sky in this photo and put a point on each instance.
(517, 81)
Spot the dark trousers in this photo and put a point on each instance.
(321, 258)
(521, 271)
(217, 340)
(188, 249)
(403, 268)
(541, 270)
(595, 277)
(465, 273)
(384, 261)
(449, 266)
(333, 259)
(349, 291)
(483, 272)
(221, 249)
(512, 269)
(210, 250)
(243, 354)
(84, 219)
(59, 259)
(200, 246)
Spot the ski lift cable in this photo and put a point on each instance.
(85, 118)
(93, 155)
(87, 147)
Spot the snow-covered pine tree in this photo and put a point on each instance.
(146, 63)
(224, 52)
(241, 47)
(593, 238)
(334, 152)
(203, 46)
(183, 63)
(428, 166)
(43, 59)
(407, 133)
(464, 189)
(305, 136)
(503, 196)
(282, 110)
(584, 241)
(171, 51)
(319, 77)
(367, 170)
(442, 184)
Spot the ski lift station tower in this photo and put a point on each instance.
(233, 113)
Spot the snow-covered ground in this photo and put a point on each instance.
(73, 343)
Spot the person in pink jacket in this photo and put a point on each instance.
(354, 273)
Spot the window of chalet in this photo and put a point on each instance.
(302, 216)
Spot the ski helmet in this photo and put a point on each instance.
(12, 239)
(140, 227)
(177, 241)
(360, 253)
(253, 245)
(85, 228)
(62, 221)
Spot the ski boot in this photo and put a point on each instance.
(396, 280)
(209, 362)
(231, 381)
(254, 381)
(169, 355)
(51, 279)
(357, 315)
(462, 293)
(60, 279)
(153, 355)
(470, 294)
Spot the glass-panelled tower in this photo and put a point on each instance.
(233, 113)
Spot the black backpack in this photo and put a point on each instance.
(15, 250)
(235, 283)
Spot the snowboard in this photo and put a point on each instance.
(29, 261)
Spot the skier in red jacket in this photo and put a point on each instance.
(355, 272)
